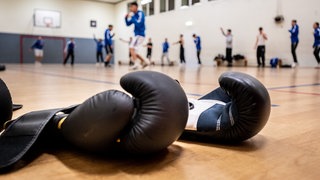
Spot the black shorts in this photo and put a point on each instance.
(148, 55)
(109, 49)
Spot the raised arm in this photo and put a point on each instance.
(223, 33)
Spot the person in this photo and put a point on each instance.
(137, 18)
(197, 41)
(99, 49)
(37, 47)
(261, 47)
(149, 51)
(229, 37)
(129, 42)
(294, 31)
(181, 42)
(108, 44)
(165, 52)
(316, 44)
(70, 51)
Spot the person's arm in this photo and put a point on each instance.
(265, 37)
(95, 39)
(139, 20)
(124, 40)
(128, 22)
(223, 33)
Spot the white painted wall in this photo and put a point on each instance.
(16, 16)
(242, 16)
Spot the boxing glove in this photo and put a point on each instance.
(149, 121)
(5, 104)
(235, 112)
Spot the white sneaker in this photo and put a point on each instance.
(134, 67)
(293, 65)
(145, 63)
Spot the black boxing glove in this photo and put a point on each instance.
(5, 104)
(236, 111)
(149, 122)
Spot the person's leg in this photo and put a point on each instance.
(258, 56)
(98, 57)
(263, 53)
(72, 57)
(162, 56)
(293, 51)
(198, 55)
(182, 56)
(66, 59)
(229, 56)
(316, 53)
(168, 59)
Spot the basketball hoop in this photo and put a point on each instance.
(48, 21)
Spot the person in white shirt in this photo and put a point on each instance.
(261, 47)
(229, 37)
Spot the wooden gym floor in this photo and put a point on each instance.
(287, 148)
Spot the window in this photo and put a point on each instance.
(144, 9)
(163, 5)
(151, 8)
(195, 1)
(184, 2)
(171, 5)
(188, 2)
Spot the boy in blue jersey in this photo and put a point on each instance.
(197, 41)
(108, 44)
(137, 18)
(70, 51)
(165, 52)
(316, 44)
(37, 47)
(294, 31)
(99, 49)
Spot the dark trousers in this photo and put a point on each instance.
(182, 58)
(316, 53)
(293, 51)
(99, 57)
(70, 54)
(198, 55)
(229, 55)
(261, 50)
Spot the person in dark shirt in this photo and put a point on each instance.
(99, 48)
(316, 44)
(181, 42)
(294, 31)
(70, 51)
(149, 50)
(37, 47)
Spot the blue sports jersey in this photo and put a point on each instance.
(316, 37)
(165, 47)
(197, 41)
(99, 45)
(294, 33)
(107, 37)
(38, 44)
(138, 19)
(70, 46)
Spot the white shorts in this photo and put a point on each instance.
(136, 42)
(38, 52)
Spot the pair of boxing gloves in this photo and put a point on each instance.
(156, 115)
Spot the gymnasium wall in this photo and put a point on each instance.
(242, 16)
(15, 48)
(75, 17)
(75, 22)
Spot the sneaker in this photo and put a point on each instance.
(134, 67)
(293, 65)
(97, 64)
